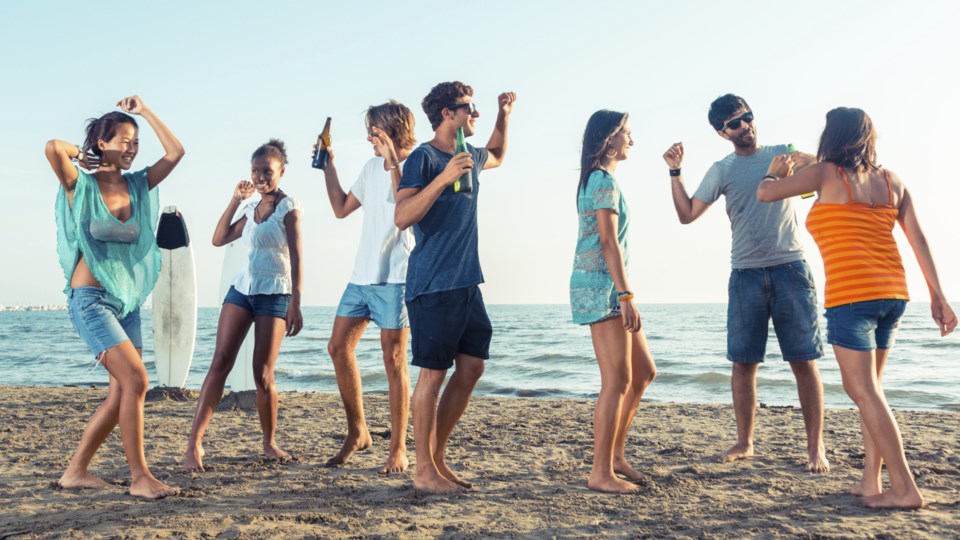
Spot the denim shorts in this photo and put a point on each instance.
(381, 303)
(785, 293)
(446, 323)
(865, 326)
(260, 305)
(95, 314)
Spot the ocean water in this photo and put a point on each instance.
(536, 352)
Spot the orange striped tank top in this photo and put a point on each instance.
(860, 256)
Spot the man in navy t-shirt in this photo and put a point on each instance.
(448, 321)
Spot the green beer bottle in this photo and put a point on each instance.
(465, 183)
(790, 149)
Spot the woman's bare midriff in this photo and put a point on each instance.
(82, 277)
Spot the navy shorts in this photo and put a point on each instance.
(865, 326)
(448, 323)
(95, 314)
(260, 305)
(785, 293)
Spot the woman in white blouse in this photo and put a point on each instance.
(265, 293)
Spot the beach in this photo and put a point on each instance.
(527, 458)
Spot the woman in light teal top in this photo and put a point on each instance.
(600, 296)
(109, 255)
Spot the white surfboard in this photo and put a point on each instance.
(174, 301)
(235, 257)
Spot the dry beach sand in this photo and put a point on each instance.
(528, 460)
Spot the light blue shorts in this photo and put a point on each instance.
(95, 314)
(383, 304)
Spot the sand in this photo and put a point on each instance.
(528, 460)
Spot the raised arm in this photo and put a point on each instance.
(226, 232)
(414, 203)
(61, 156)
(388, 151)
(940, 309)
(688, 208)
(781, 183)
(497, 145)
(343, 204)
(291, 223)
(607, 224)
(171, 146)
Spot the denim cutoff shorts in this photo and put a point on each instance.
(383, 304)
(260, 305)
(785, 293)
(95, 314)
(865, 326)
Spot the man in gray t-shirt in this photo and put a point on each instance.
(769, 279)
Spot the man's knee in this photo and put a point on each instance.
(337, 348)
(471, 370)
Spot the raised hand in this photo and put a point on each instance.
(458, 165)
(244, 189)
(801, 160)
(384, 145)
(505, 102)
(781, 166)
(132, 105)
(674, 155)
(88, 160)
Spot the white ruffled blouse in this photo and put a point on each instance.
(268, 267)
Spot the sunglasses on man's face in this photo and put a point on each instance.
(470, 107)
(736, 122)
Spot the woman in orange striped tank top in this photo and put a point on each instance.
(866, 293)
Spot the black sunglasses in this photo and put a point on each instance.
(471, 108)
(735, 123)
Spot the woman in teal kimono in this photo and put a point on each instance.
(110, 259)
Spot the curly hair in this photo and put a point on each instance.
(442, 96)
(274, 148)
(396, 120)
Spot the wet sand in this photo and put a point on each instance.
(527, 458)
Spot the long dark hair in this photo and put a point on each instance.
(849, 140)
(601, 127)
(104, 129)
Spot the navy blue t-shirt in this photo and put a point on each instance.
(446, 256)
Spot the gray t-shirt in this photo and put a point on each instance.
(764, 234)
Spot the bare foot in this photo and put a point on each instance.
(80, 481)
(449, 475)
(272, 451)
(611, 485)
(434, 482)
(620, 466)
(396, 463)
(862, 490)
(888, 499)
(193, 459)
(153, 489)
(350, 446)
(736, 452)
(817, 461)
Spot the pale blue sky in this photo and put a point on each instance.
(227, 76)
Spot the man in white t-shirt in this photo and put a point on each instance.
(376, 288)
